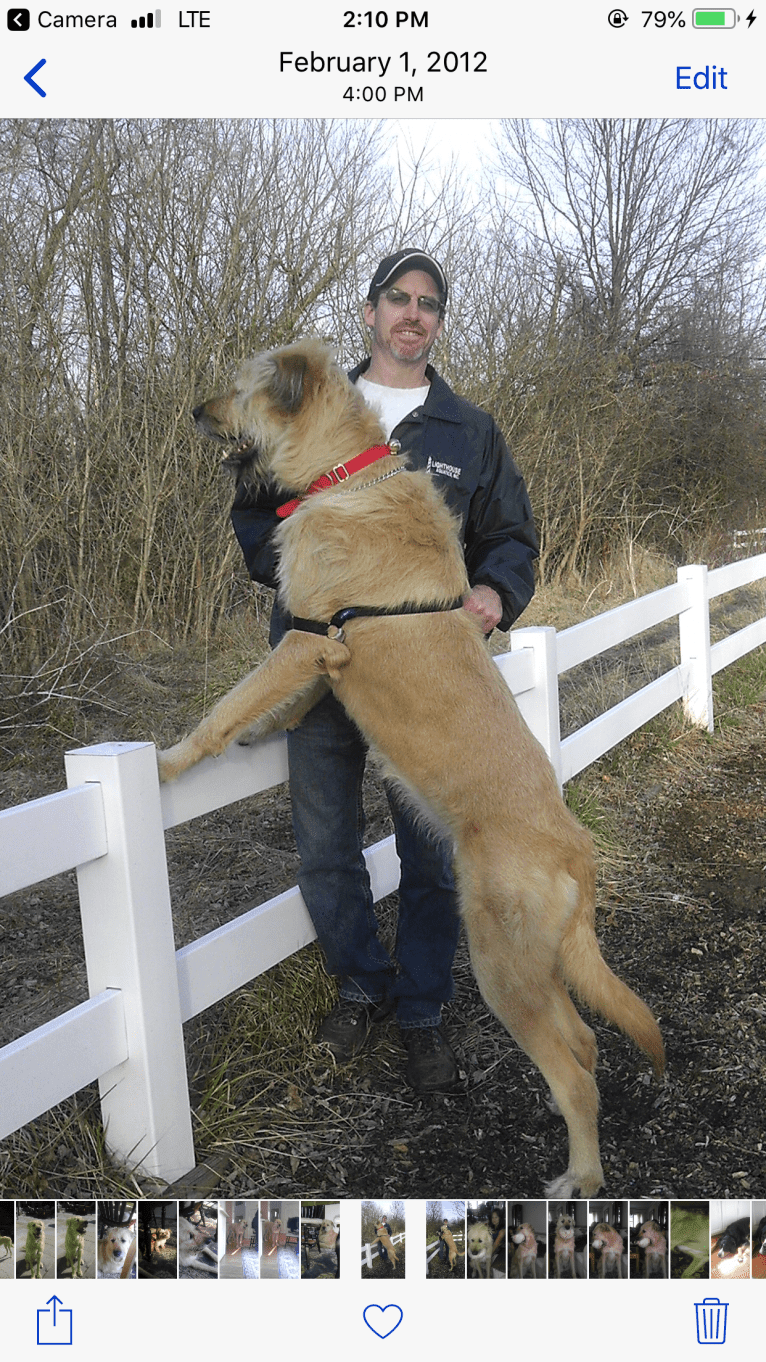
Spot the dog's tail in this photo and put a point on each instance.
(586, 971)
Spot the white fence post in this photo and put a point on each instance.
(694, 635)
(539, 707)
(129, 945)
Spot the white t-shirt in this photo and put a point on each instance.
(391, 404)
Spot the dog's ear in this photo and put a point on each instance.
(291, 382)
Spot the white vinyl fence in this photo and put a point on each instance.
(109, 825)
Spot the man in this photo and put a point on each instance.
(466, 454)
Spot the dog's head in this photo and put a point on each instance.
(734, 1238)
(604, 1236)
(281, 420)
(36, 1229)
(115, 1242)
(565, 1227)
(650, 1235)
(479, 1241)
(191, 1236)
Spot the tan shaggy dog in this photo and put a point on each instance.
(445, 1233)
(116, 1249)
(564, 1246)
(606, 1240)
(655, 1245)
(326, 1236)
(74, 1244)
(193, 1250)
(479, 1250)
(434, 709)
(525, 1252)
(34, 1247)
(384, 1238)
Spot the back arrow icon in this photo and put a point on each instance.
(33, 83)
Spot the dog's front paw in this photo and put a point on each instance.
(334, 657)
(171, 763)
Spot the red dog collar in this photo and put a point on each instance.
(339, 473)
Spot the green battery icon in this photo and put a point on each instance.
(714, 18)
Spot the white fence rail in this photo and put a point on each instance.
(109, 825)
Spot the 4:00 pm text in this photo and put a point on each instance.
(369, 94)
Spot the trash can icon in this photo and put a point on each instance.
(711, 1320)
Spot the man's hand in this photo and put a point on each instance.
(485, 602)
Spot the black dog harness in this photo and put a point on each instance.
(351, 612)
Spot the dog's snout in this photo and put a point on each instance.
(198, 411)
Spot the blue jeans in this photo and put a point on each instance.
(327, 757)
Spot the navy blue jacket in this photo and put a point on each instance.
(467, 456)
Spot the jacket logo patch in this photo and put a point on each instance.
(444, 470)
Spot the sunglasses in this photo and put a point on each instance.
(398, 298)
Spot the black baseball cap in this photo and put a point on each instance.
(390, 269)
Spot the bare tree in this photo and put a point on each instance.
(142, 260)
(632, 212)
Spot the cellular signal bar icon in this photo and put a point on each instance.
(150, 20)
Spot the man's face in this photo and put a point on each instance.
(405, 331)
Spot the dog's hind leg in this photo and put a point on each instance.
(576, 1096)
(578, 1036)
(267, 700)
(573, 1088)
(521, 988)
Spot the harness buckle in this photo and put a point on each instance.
(336, 473)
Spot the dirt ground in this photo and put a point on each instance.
(681, 820)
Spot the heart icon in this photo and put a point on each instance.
(383, 1327)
